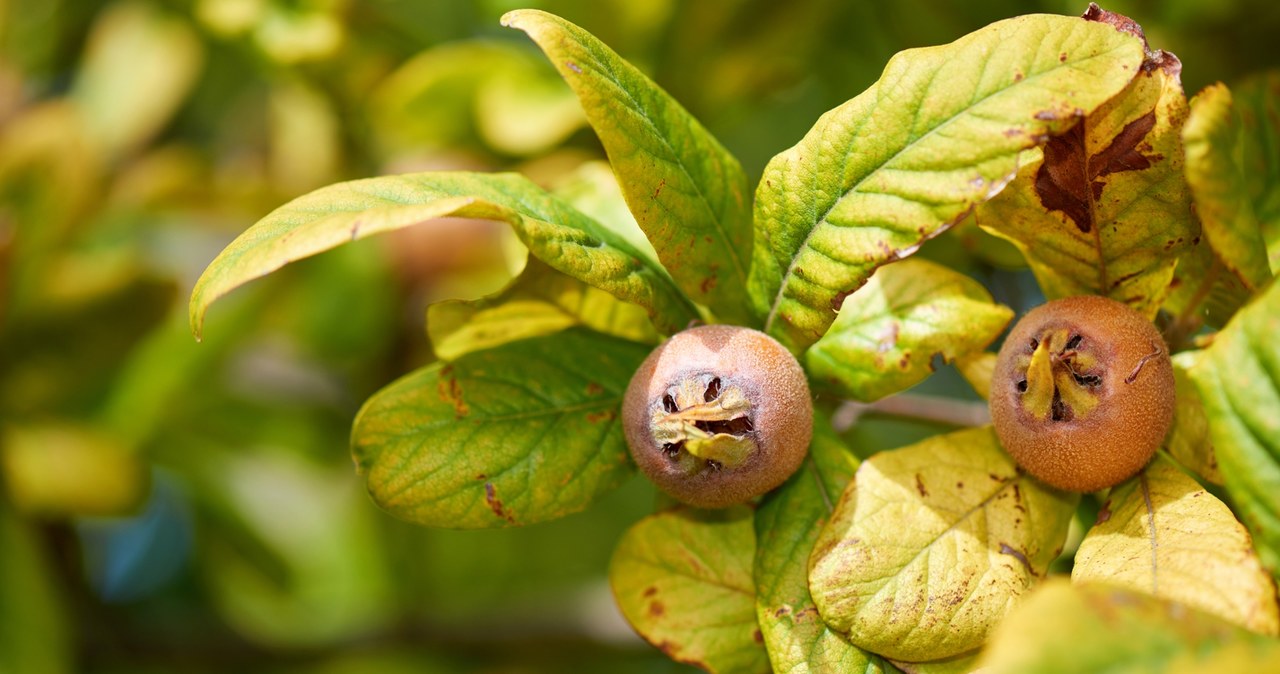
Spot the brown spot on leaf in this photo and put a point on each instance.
(450, 391)
(597, 417)
(1005, 549)
(661, 184)
(920, 487)
(650, 591)
(889, 339)
(838, 300)
(495, 504)
(708, 284)
(656, 609)
(481, 476)
(782, 611)
(1069, 179)
(594, 389)
(1104, 514)
(757, 636)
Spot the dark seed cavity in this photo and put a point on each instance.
(1089, 380)
(669, 404)
(1060, 410)
(713, 390)
(672, 449)
(1022, 386)
(1074, 342)
(1035, 344)
(713, 464)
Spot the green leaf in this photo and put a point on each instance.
(565, 239)
(1162, 534)
(944, 129)
(683, 579)
(931, 545)
(541, 301)
(1188, 440)
(1214, 136)
(522, 433)
(956, 664)
(787, 524)
(1106, 211)
(686, 191)
(1063, 628)
(1239, 380)
(1258, 104)
(1229, 263)
(33, 629)
(888, 332)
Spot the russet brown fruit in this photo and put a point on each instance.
(718, 414)
(1082, 394)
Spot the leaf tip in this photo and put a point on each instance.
(512, 18)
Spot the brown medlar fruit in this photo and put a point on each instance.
(1082, 394)
(718, 414)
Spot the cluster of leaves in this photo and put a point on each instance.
(1069, 137)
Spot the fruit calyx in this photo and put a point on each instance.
(1062, 377)
(703, 422)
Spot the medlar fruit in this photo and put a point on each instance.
(718, 414)
(1082, 393)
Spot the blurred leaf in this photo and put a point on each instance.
(524, 432)
(977, 368)
(33, 632)
(67, 470)
(944, 129)
(326, 579)
(683, 579)
(541, 301)
(685, 189)
(521, 113)
(331, 216)
(1257, 100)
(452, 92)
(1239, 380)
(48, 174)
(888, 332)
(139, 65)
(1160, 533)
(1068, 629)
(1188, 440)
(291, 32)
(1106, 211)
(787, 524)
(980, 535)
(1202, 290)
(306, 139)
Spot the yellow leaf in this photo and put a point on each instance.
(932, 544)
(1161, 534)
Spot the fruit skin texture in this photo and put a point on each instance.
(1092, 407)
(741, 387)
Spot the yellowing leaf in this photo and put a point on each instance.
(888, 332)
(683, 579)
(956, 664)
(687, 192)
(977, 369)
(1239, 381)
(1072, 629)
(1160, 533)
(787, 524)
(1189, 440)
(1106, 211)
(932, 544)
(521, 433)
(565, 239)
(944, 129)
(541, 301)
(33, 625)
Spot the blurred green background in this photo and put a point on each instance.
(168, 506)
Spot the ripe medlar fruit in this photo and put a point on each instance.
(1082, 393)
(718, 414)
